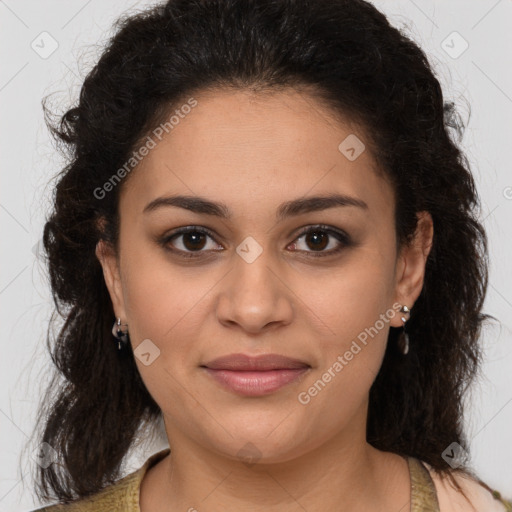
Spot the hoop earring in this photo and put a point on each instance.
(122, 336)
(403, 339)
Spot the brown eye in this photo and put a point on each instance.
(194, 240)
(318, 238)
(190, 242)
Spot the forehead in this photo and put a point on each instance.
(245, 148)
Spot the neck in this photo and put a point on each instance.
(343, 472)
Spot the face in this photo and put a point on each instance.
(320, 283)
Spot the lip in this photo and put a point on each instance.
(255, 375)
(262, 362)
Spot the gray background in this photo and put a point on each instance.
(481, 77)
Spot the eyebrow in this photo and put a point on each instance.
(292, 208)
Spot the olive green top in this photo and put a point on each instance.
(123, 495)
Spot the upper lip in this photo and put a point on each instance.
(243, 362)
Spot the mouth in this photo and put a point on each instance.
(255, 375)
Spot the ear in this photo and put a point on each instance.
(410, 267)
(109, 262)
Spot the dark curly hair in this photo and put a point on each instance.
(350, 57)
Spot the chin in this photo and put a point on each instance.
(255, 445)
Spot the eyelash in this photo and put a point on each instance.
(342, 237)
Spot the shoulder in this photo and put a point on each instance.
(121, 496)
(480, 497)
(115, 497)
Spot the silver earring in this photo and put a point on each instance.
(403, 340)
(122, 336)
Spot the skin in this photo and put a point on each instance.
(254, 151)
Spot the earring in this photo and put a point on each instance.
(122, 336)
(403, 340)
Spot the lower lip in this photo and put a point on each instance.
(255, 383)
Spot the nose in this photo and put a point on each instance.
(254, 296)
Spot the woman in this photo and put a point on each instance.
(267, 239)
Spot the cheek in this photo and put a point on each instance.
(355, 306)
(351, 297)
(350, 359)
(158, 294)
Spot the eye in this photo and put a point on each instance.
(193, 240)
(319, 237)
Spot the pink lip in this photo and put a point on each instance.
(255, 376)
